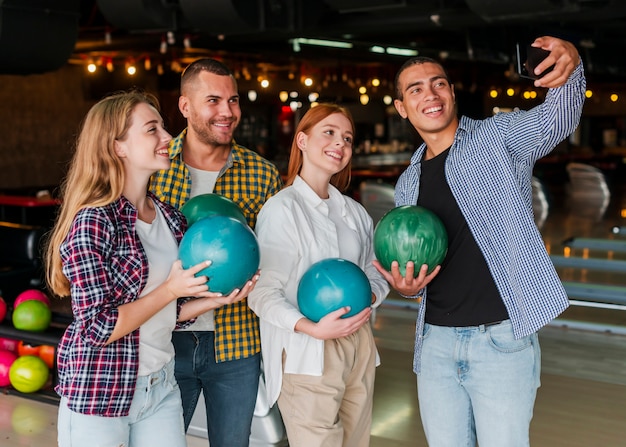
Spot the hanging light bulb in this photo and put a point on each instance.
(364, 99)
(283, 96)
(252, 95)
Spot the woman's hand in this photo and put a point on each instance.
(184, 282)
(333, 325)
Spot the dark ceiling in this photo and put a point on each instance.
(259, 31)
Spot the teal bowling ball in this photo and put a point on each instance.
(410, 233)
(207, 205)
(331, 284)
(229, 243)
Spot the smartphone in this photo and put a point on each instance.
(527, 60)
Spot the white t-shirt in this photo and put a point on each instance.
(155, 335)
(202, 182)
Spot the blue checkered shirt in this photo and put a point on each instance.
(489, 170)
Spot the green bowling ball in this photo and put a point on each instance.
(208, 205)
(410, 233)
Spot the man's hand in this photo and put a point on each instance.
(407, 285)
(563, 55)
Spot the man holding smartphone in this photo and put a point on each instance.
(477, 356)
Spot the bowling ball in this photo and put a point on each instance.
(207, 205)
(8, 344)
(47, 354)
(6, 360)
(25, 348)
(410, 233)
(31, 294)
(3, 309)
(32, 315)
(231, 246)
(28, 374)
(331, 284)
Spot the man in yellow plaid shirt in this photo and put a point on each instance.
(220, 353)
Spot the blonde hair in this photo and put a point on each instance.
(314, 115)
(95, 176)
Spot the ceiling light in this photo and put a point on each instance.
(394, 51)
(318, 42)
(401, 51)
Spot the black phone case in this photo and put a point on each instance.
(528, 61)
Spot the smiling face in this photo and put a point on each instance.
(144, 146)
(427, 99)
(210, 103)
(327, 148)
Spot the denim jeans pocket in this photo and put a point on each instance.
(503, 340)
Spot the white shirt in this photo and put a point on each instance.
(202, 182)
(155, 335)
(294, 231)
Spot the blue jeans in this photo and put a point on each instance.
(478, 383)
(229, 388)
(155, 418)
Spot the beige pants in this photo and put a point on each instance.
(335, 409)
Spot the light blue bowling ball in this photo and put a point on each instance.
(229, 243)
(331, 284)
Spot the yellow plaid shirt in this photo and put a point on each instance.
(249, 180)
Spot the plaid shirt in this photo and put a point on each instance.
(106, 266)
(249, 180)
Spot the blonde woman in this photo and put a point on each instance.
(114, 250)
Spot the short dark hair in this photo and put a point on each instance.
(206, 64)
(419, 60)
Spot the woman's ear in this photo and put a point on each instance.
(301, 140)
(120, 149)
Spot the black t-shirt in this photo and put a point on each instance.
(463, 293)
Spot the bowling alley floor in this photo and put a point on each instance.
(581, 402)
